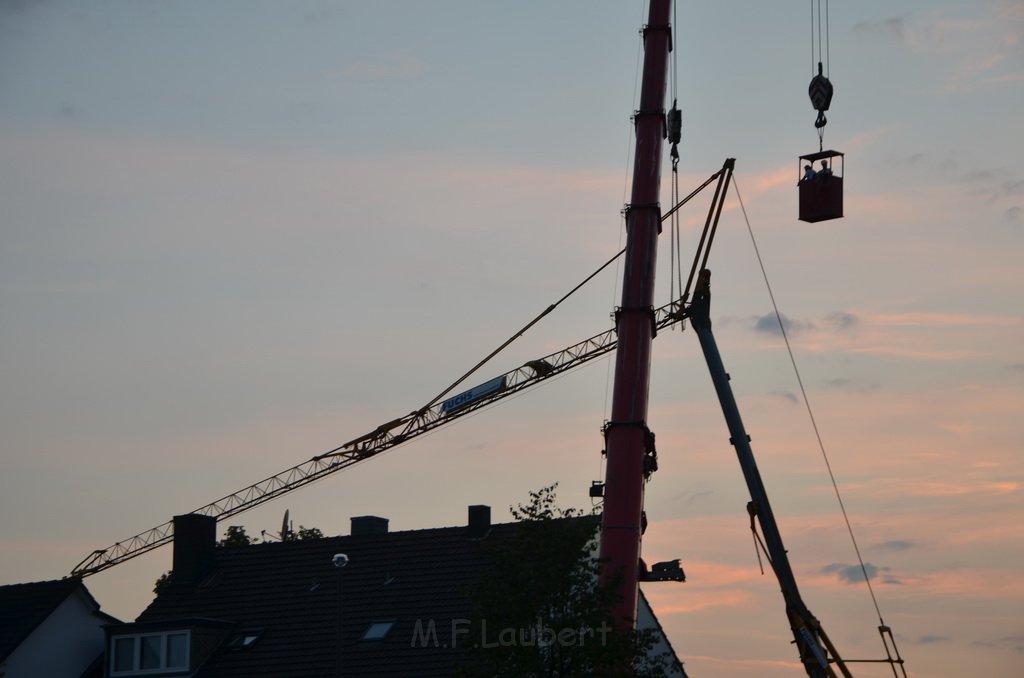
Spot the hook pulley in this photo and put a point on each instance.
(820, 91)
(674, 131)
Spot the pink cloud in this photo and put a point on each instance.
(974, 584)
(930, 319)
(909, 335)
(688, 600)
(949, 489)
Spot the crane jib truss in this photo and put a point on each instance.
(379, 440)
(385, 436)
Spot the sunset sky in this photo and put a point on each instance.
(235, 234)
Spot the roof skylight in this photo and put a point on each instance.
(378, 630)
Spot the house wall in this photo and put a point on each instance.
(645, 619)
(63, 646)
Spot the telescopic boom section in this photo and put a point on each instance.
(626, 434)
(817, 653)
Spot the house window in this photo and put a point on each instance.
(149, 653)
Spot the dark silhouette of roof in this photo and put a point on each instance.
(23, 607)
(286, 596)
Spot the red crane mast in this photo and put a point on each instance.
(628, 440)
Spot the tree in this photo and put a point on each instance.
(303, 534)
(162, 582)
(235, 537)
(539, 610)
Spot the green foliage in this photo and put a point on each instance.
(539, 610)
(236, 537)
(162, 583)
(303, 534)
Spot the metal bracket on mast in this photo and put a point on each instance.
(647, 310)
(629, 207)
(667, 28)
(650, 449)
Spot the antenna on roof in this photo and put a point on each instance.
(286, 530)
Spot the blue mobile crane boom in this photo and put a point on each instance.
(817, 653)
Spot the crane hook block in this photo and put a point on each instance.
(820, 92)
(675, 125)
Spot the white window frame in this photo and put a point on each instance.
(136, 639)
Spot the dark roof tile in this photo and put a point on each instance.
(291, 591)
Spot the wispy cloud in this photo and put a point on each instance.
(769, 323)
(892, 28)
(921, 32)
(980, 49)
(932, 640)
(766, 181)
(398, 64)
(787, 396)
(976, 177)
(1015, 643)
(934, 319)
(854, 574)
(951, 489)
(842, 320)
(1007, 78)
(849, 385)
(698, 602)
(895, 545)
(1012, 215)
(915, 335)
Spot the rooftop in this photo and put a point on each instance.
(283, 602)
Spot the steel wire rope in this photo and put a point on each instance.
(522, 331)
(306, 474)
(675, 257)
(567, 295)
(816, 35)
(812, 38)
(625, 187)
(675, 245)
(490, 405)
(828, 50)
(807, 404)
(819, 30)
(553, 306)
(820, 123)
(545, 312)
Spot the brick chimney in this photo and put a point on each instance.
(479, 521)
(195, 538)
(366, 525)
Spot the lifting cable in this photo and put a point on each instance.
(552, 307)
(625, 193)
(521, 332)
(883, 629)
(674, 133)
(820, 90)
